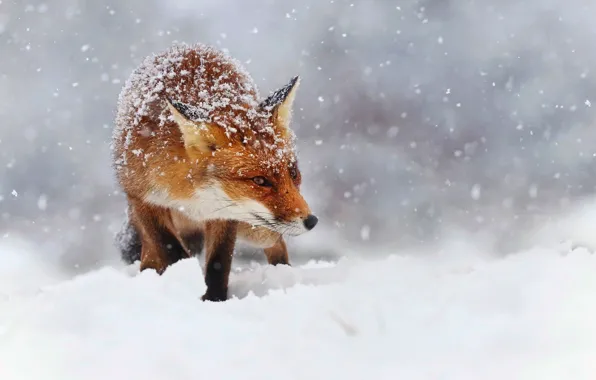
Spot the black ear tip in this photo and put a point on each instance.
(278, 96)
(179, 106)
(190, 112)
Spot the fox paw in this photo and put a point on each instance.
(215, 296)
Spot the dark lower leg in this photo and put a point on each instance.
(220, 240)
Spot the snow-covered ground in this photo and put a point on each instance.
(459, 313)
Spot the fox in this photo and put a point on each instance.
(204, 161)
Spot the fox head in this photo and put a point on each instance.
(250, 169)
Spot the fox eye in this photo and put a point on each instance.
(261, 181)
(293, 173)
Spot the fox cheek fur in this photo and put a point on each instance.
(204, 162)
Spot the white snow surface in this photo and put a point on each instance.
(459, 312)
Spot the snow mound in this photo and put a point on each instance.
(443, 316)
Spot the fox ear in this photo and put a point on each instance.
(196, 132)
(280, 102)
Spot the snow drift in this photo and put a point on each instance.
(457, 313)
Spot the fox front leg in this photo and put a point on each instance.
(278, 253)
(160, 248)
(270, 241)
(220, 239)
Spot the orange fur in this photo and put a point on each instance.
(198, 153)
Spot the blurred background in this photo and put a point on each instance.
(414, 118)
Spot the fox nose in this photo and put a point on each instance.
(310, 222)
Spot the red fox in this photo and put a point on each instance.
(204, 161)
